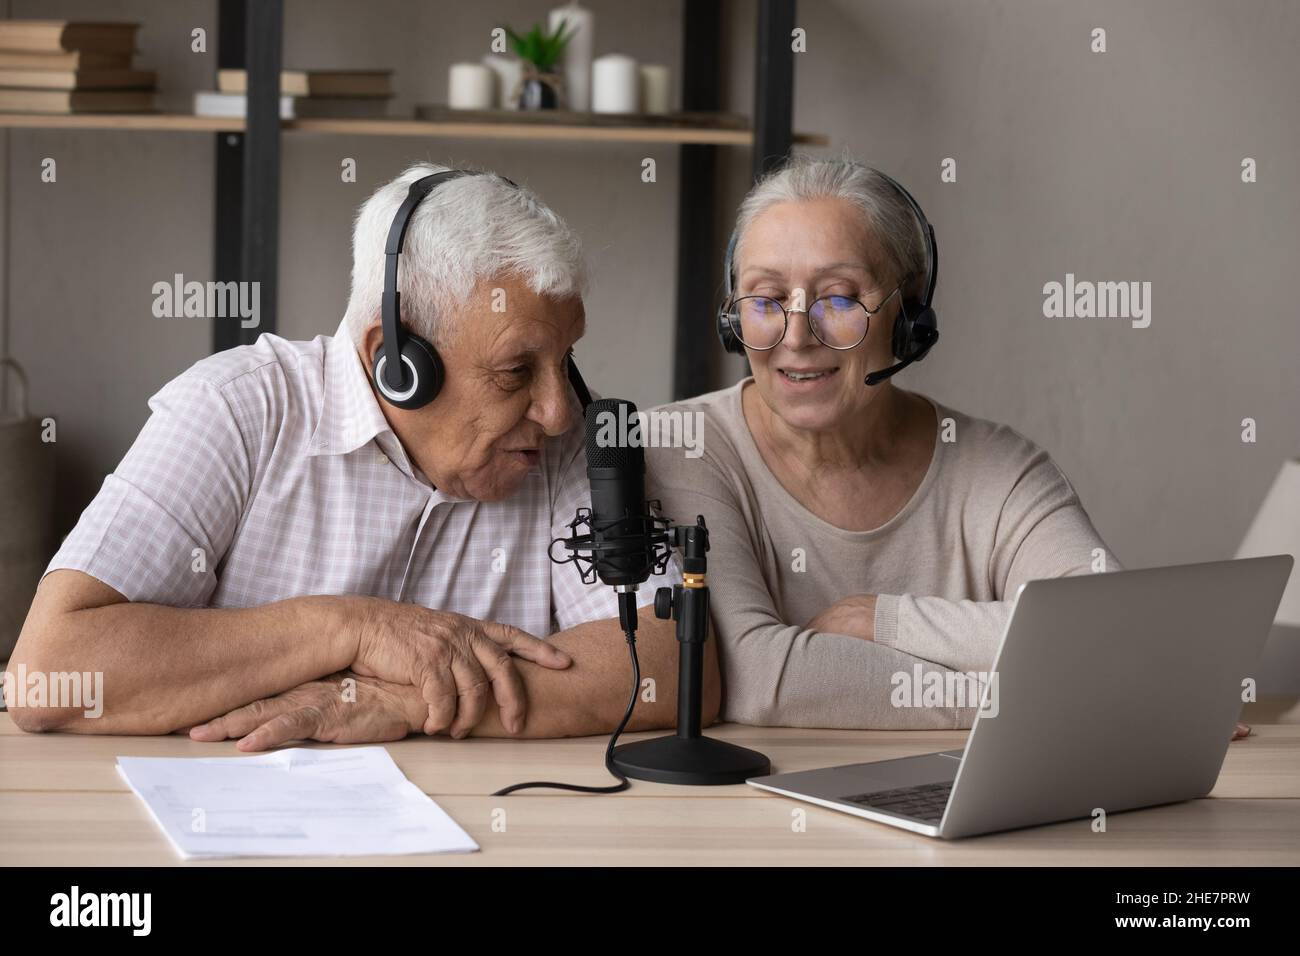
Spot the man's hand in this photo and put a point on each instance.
(854, 615)
(1241, 731)
(453, 661)
(341, 709)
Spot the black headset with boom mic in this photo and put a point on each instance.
(408, 372)
(916, 327)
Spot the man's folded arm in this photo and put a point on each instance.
(124, 596)
(165, 668)
(168, 668)
(591, 695)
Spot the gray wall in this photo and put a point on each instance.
(1115, 166)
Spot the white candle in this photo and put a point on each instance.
(577, 54)
(471, 86)
(656, 88)
(508, 71)
(615, 84)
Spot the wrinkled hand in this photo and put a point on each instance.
(454, 662)
(854, 615)
(341, 709)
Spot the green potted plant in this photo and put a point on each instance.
(540, 50)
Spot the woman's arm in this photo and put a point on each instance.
(780, 674)
(1042, 532)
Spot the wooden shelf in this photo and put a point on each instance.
(131, 121)
(402, 127)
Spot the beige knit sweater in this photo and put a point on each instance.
(992, 512)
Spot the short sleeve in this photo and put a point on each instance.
(572, 601)
(162, 522)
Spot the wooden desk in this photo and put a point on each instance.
(63, 803)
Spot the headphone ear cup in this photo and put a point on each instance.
(428, 366)
(727, 336)
(925, 329)
(900, 342)
(912, 335)
(422, 374)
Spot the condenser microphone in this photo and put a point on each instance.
(624, 543)
(623, 548)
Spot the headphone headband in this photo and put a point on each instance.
(390, 305)
(402, 352)
(927, 233)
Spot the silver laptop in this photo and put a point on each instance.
(1111, 691)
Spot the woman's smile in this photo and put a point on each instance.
(804, 379)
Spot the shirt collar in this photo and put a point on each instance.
(350, 414)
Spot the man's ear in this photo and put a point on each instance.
(371, 341)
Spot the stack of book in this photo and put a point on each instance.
(65, 66)
(305, 93)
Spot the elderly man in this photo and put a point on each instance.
(285, 553)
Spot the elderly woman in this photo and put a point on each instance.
(858, 530)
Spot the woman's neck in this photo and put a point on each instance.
(858, 477)
(863, 441)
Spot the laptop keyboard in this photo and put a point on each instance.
(925, 803)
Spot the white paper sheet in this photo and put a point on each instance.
(297, 802)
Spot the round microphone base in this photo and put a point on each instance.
(690, 761)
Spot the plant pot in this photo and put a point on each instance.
(537, 93)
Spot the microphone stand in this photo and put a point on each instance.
(688, 757)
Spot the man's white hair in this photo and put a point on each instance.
(467, 230)
(888, 215)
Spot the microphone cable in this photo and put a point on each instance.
(631, 634)
(616, 474)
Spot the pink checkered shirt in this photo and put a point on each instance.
(269, 472)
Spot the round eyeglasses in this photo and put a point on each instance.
(838, 322)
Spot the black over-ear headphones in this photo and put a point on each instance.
(916, 328)
(408, 371)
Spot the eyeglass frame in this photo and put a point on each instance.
(733, 319)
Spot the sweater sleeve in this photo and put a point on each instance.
(779, 674)
(1042, 531)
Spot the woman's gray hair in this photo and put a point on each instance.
(466, 230)
(889, 216)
